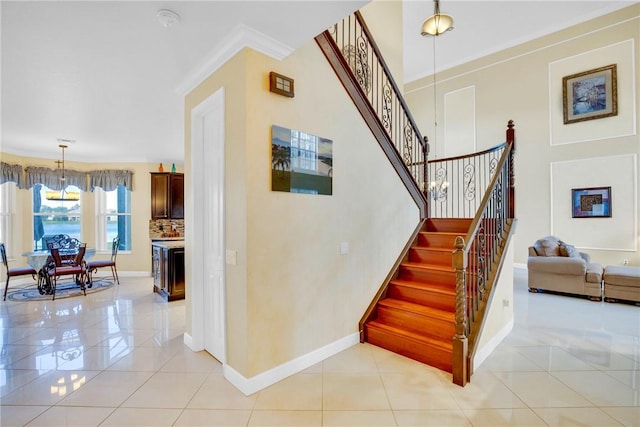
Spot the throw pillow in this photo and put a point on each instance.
(568, 250)
(547, 246)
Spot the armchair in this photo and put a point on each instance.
(556, 266)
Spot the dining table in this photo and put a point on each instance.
(39, 260)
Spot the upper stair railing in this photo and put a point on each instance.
(478, 259)
(357, 60)
(456, 185)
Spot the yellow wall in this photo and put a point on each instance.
(291, 291)
(137, 261)
(521, 83)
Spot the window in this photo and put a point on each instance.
(113, 210)
(55, 212)
(304, 151)
(7, 203)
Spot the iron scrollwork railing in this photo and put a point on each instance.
(456, 184)
(478, 256)
(353, 40)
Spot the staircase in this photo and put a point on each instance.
(416, 318)
(432, 305)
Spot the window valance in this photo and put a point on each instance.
(51, 178)
(11, 173)
(108, 180)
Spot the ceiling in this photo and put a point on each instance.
(108, 76)
(484, 27)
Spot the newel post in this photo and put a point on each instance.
(425, 173)
(460, 345)
(511, 140)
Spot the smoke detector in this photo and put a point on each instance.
(168, 18)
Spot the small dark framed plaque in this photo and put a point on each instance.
(282, 85)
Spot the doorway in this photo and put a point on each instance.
(208, 258)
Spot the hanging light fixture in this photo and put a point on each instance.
(437, 23)
(61, 162)
(62, 195)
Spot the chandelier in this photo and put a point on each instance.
(62, 195)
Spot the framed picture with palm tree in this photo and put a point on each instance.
(300, 162)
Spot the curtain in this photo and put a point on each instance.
(51, 178)
(108, 180)
(11, 173)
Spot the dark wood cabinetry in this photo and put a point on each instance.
(168, 271)
(167, 195)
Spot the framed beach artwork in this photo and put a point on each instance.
(592, 202)
(301, 162)
(590, 95)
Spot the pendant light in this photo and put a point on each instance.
(437, 23)
(62, 195)
(434, 26)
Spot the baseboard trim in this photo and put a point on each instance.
(188, 341)
(128, 273)
(27, 280)
(519, 266)
(489, 347)
(248, 386)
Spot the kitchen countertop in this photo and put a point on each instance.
(163, 239)
(169, 244)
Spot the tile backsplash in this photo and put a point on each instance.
(166, 228)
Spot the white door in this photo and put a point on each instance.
(209, 263)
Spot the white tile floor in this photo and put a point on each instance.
(117, 358)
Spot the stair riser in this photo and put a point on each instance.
(430, 355)
(445, 241)
(427, 256)
(447, 278)
(449, 225)
(437, 328)
(423, 297)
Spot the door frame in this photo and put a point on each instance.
(198, 217)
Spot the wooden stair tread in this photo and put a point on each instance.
(443, 233)
(422, 339)
(433, 248)
(425, 266)
(423, 310)
(425, 286)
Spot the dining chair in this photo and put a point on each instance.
(59, 268)
(93, 266)
(14, 272)
(68, 247)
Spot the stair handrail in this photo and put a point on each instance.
(385, 110)
(387, 72)
(469, 319)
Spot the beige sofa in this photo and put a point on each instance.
(556, 266)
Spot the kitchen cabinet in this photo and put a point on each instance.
(167, 195)
(168, 269)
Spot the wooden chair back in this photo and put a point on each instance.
(114, 248)
(80, 255)
(55, 254)
(3, 252)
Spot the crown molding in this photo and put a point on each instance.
(240, 37)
